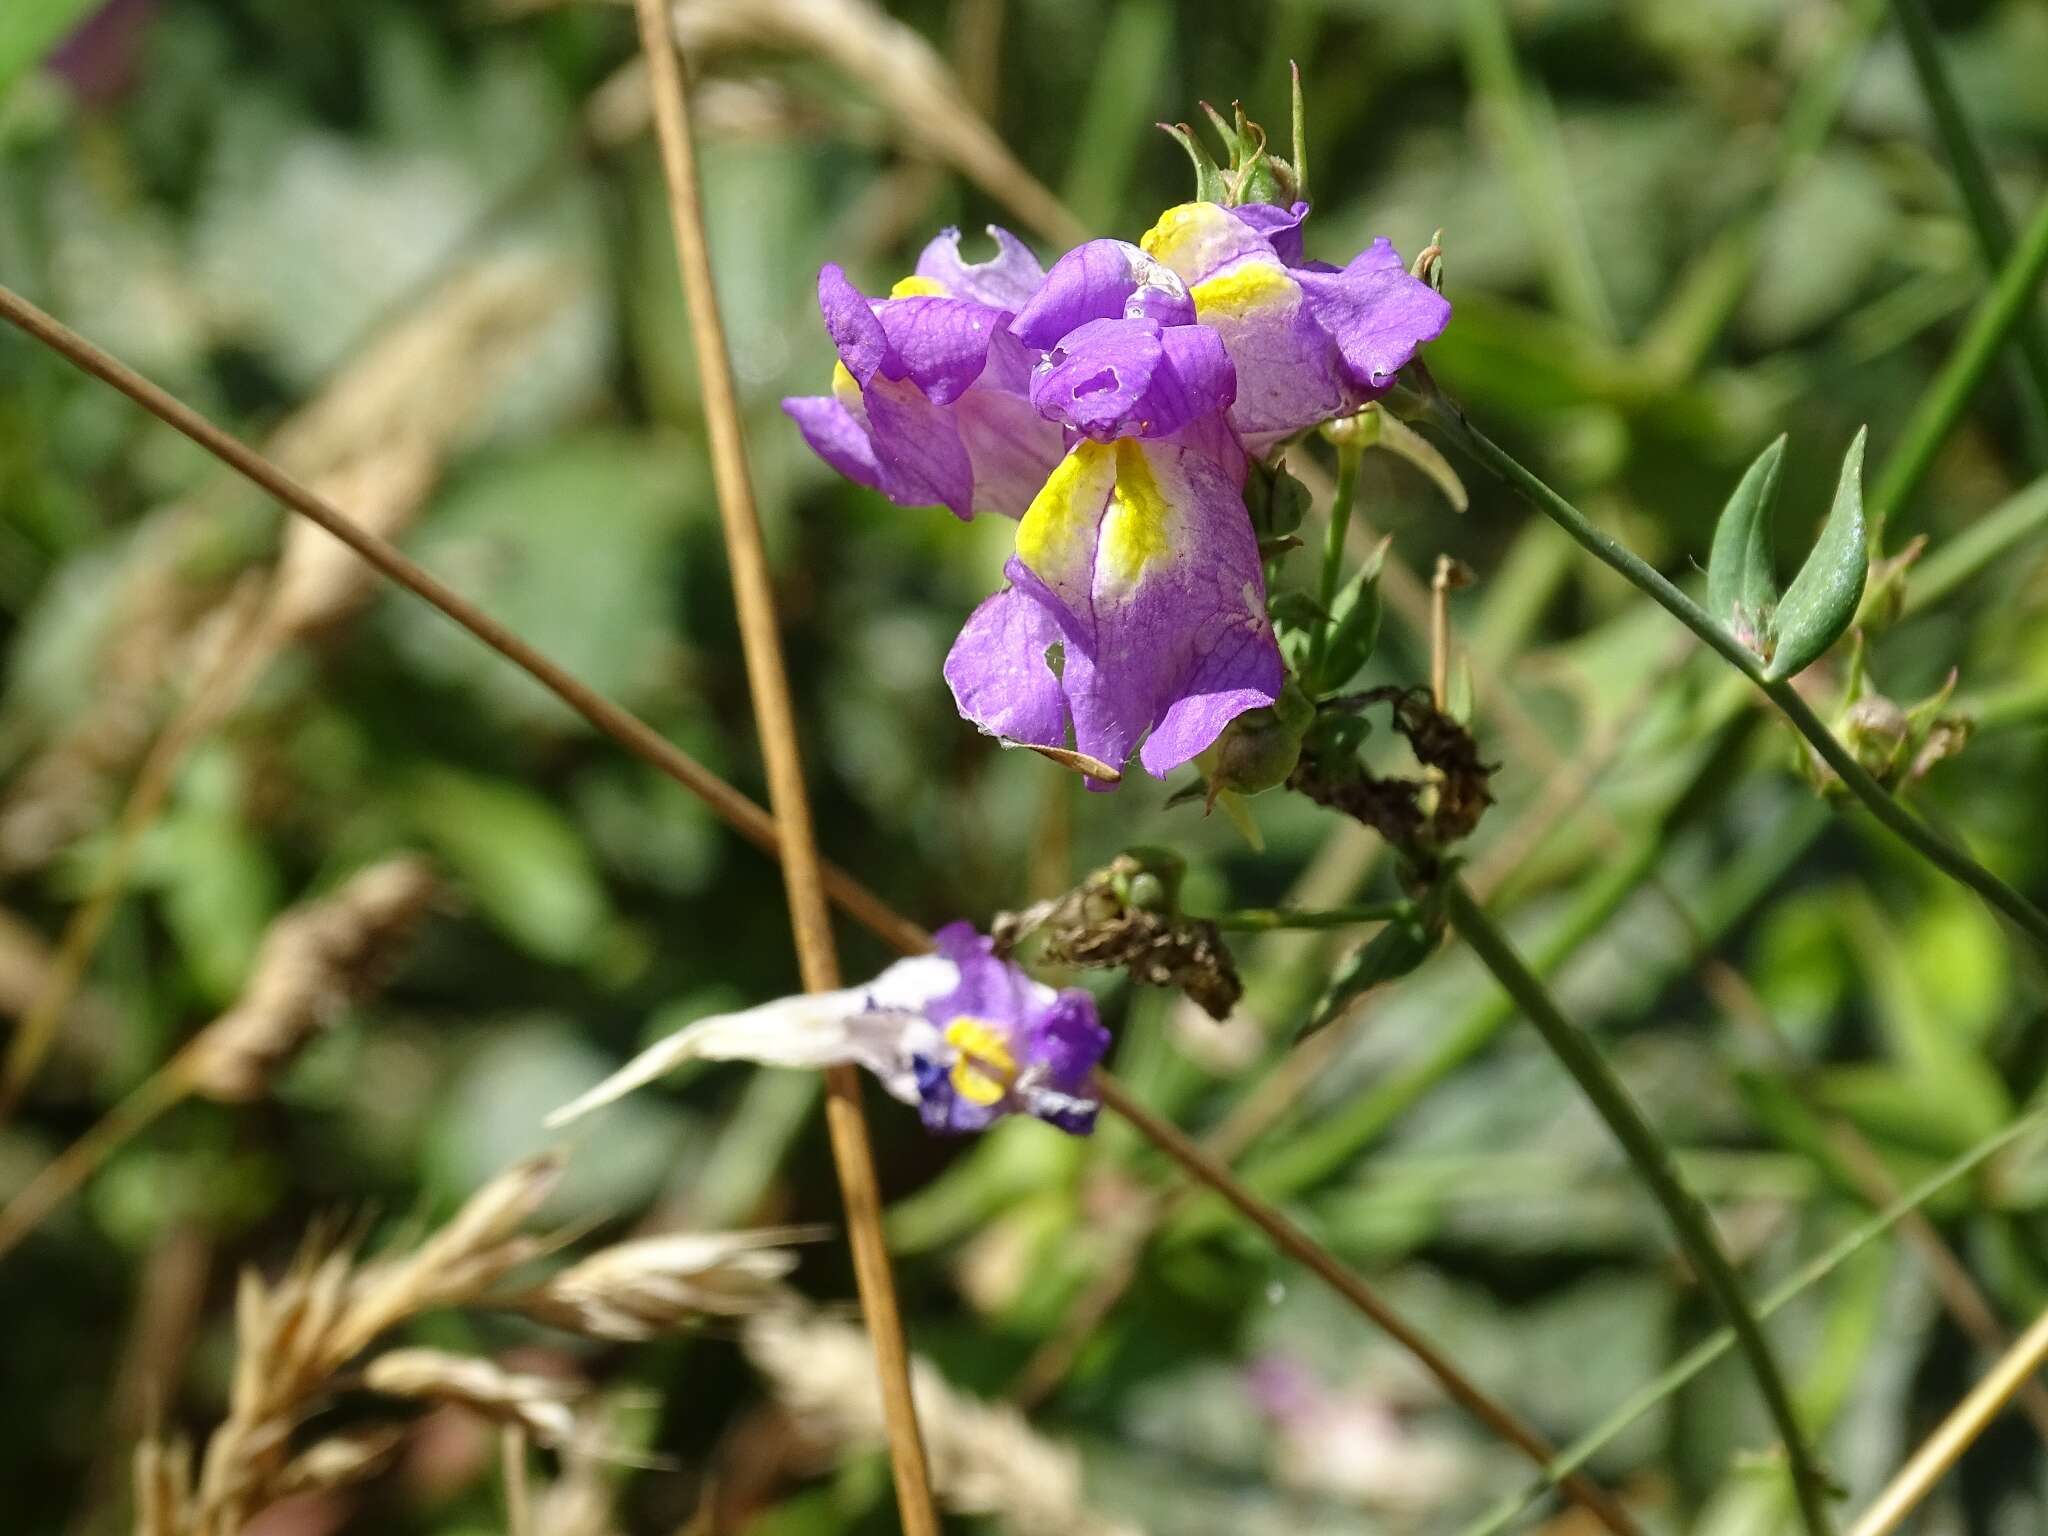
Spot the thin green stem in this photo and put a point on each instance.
(1909, 828)
(1988, 218)
(1647, 1150)
(1349, 453)
(1977, 547)
(2012, 296)
(1268, 919)
(1708, 1350)
(1318, 1151)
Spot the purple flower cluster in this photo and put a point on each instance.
(1111, 404)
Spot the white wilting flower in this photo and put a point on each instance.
(963, 1034)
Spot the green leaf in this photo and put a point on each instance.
(1742, 587)
(521, 860)
(1394, 951)
(1355, 624)
(1821, 603)
(31, 28)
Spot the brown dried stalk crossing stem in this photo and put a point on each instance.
(1304, 1250)
(643, 741)
(775, 717)
(631, 732)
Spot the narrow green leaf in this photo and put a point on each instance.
(1355, 624)
(1209, 187)
(31, 28)
(1821, 603)
(1393, 952)
(1742, 587)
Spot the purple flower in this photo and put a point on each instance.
(964, 1035)
(1309, 341)
(930, 399)
(1111, 402)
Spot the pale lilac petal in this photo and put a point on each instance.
(1376, 314)
(836, 436)
(1101, 280)
(999, 674)
(1129, 378)
(1006, 280)
(1289, 372)
(1010, 447)
(1197, 240)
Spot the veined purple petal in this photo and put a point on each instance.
(836, 436)
(1006, 280)
(1280, 226)
(1376, 314)
(1131, 378)
(918, 450)
(1066, 1041)
(940, 345)
(851, 321)
(1144, 555)
(1100, 280)
(999, 674)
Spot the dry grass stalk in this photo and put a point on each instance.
(636, 1290)
(382, 427)
(985, 1459)
(296, 1337)
(314, 962)
(315, 959)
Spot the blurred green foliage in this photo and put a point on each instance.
(1669, 238)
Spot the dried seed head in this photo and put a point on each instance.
(635, 1290)
(538, 1404)
(316, 960)
(985, 1459)
(1110, 921)
(337, 1461)
(163, 1487)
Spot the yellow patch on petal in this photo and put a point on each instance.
(1134, 534)
(1057, 529)
(1194, 238)
(1234, 294)
(845, 387)
(914, 287)
(985, 1068)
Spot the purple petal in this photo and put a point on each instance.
(1130, 378)
(999, 675)
(1376, 314)
(940, 345)
(836, 436)
(1289, 372)
(1066, 1040)
(1101, 280)
(1144, 554)
(1009, 445)
(1006, 280)
(918, 450)
(850, 319)
(1280, 226)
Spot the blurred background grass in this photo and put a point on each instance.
(420, 252)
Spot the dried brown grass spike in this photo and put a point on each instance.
(316, 960)
(637, 1290)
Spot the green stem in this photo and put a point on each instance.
(1708, 1350)
(1977, 547)
(1320, 1150)
(1267, 919)
(2012, 296)
(1987, 213)
(1931, 846)
(1647, 1150)
(1349, 453)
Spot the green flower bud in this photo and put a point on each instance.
(1259, 749)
